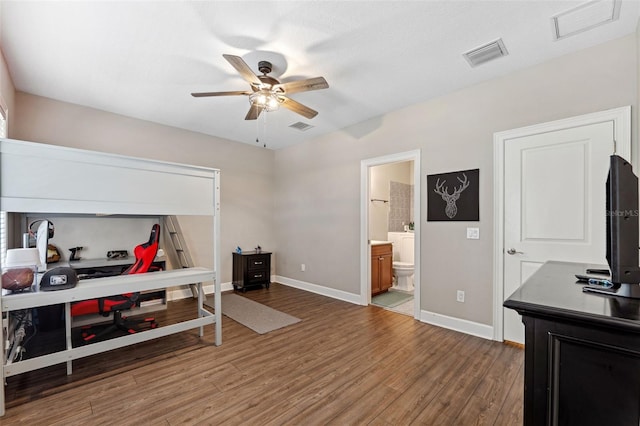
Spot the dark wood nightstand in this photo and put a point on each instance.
(251, 269)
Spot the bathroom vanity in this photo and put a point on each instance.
(381, 267)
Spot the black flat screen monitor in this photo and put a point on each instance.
(622, 222)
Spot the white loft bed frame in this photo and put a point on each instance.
(40, 178)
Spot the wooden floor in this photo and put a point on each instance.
(342, 364)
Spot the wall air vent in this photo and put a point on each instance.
(301, 126)
(486, 53)
(584, 17)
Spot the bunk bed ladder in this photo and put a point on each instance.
(180, 252)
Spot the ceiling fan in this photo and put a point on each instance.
(267, 93)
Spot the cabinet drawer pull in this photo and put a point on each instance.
(381, 258)
(257, 276)
(257, 263)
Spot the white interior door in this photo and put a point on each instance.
(554, 204)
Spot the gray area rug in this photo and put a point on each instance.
(390, 299)
(256, 316)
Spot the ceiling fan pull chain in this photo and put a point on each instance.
(264, 130)
(257, 132)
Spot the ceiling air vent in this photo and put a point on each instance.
(301, 126)
(486, 53)
(584, 17)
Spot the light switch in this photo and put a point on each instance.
(473, 233)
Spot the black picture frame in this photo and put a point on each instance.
(454, 196)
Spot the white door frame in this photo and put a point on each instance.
(365, 254)
(621, 118)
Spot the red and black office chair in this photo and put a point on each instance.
(145, 254)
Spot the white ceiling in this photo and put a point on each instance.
(143, 58)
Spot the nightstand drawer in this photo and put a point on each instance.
(257, 277)
(259, 262)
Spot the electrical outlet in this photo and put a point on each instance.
(460, 296)
(303, 267)
(473, 233)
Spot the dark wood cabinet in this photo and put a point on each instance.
(251, 269)
(381, 268)
(582, 351)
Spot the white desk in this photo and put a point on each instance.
(101, 287)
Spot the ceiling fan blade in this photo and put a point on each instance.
(297, 107)
(253, 113)
(232, 93)
(316, 83)
(241, 66)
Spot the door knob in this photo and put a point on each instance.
(513, 251)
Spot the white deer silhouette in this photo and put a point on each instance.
(451, 210)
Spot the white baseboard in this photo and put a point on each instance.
(318, 289)
(461, 325)
(457, 324)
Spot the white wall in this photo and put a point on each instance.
(97, 235)
(379, 178)
(317, 214)
(635, 155)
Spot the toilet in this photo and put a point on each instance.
(403, 260)
(403, 273)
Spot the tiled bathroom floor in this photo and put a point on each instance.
(406, 308)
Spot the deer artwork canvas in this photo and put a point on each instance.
(454, 196)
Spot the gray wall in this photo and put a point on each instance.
(247, 183)
(7, 89)
(317, 216)
(303, 201)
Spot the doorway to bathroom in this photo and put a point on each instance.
(390, 230)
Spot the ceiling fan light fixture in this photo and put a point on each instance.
(267, 93)
(265, 99)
